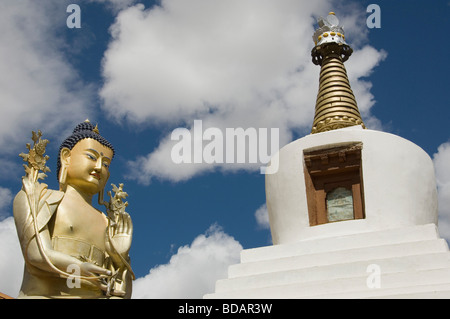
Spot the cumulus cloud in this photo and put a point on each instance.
(187, 58)
(35, 78)
(193, 270)
(11, 267)
(262, 217)
(230, 63)
(441, 161)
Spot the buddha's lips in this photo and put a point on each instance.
(97, 176)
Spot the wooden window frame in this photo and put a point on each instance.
(327, 169)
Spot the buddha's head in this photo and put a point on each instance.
(84, 159)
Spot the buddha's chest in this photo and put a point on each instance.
(80, 222)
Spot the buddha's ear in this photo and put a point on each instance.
(64, 156)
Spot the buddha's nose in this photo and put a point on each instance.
(98, 164)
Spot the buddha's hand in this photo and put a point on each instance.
(118, 237)
(89, 269)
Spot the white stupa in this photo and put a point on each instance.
(353, 212)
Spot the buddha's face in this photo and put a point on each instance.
(87, 165)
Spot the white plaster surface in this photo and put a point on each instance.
(398, 180)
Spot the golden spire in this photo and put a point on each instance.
(336, 105)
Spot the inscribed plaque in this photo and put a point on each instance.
(340, 204)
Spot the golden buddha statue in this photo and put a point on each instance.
(71, 249)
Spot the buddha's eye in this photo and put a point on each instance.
(106, 165)
(91, 157)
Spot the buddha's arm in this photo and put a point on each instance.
(33, 249)
(118, 243)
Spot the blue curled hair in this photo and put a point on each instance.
(80, 132)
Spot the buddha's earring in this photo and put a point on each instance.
(64, 157)
(62, 175)
(100, 197)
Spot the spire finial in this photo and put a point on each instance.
(329, 30)
(336, 105)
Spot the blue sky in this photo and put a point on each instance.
(141, 69)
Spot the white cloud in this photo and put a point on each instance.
(442, 167)
(36, 81)
(230, 63)
(11, 259)
(262, 217)
(193, 271)
(179, 60)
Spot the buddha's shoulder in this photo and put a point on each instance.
(50, 196)
(46, 207)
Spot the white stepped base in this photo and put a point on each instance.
(413, 262)
(424, 283)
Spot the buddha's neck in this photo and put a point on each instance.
(77, 194)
